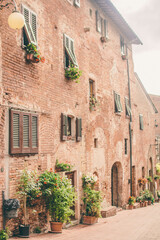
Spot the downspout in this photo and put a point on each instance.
(130, 122)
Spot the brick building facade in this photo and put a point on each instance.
(41, 93)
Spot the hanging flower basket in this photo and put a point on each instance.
(73, 73)
(33, 55)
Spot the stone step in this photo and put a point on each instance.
(108, 212)
(73, 223)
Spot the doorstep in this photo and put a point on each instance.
(71, 224)
(108, 212)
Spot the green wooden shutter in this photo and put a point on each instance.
(141, 121)
(98, 22)
(63, 127)
(105, 28)
(77, 3)
(118, 106)
(15, 132)
(128, 109)
(34, 24)
(28, 25)
(69, 47)
(78, 129)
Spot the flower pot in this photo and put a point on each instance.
(24, 231)
(89, 220)
(141, 204)
(130, 207)
(31, 58)
(56, 227)
(145, 203)
(149, 202)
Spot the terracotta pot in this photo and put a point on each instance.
(89, 220)
(149, 202)
(145, 203)
(31, 58)
(141, 204)
(130, 207)
(56, 227)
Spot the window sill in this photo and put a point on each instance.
(118, 113)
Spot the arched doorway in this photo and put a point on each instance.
(116, 184)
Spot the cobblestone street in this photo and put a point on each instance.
(138, 224)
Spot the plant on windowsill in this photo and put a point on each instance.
(92, 200)
(59, 196)
(33, 55)
(73, 73)
(61, 167)
(142, 181)
(93, 103)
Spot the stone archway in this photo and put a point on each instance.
(116, 184)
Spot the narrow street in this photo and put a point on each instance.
(137, 224)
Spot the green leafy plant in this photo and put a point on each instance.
(158, 194)
(32, 49)
(37, 230)
(140, 199)
(63, 166)
(156, 177)
(149, 179)
(93, 103)
(89, 180)
(131, 200)
(147, 195)
(158, 167)
(58, 194)
(92, 202)
(28, 189)
(73, 73)
(4, 235)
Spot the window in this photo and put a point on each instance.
(95, 142)
(101, 25)
(123, 48)
(70, 56)
(141, 121)
(30, 27)
(23, 132)
(125, 145)
(77, 3)
(91, 88)
(68, 128)
(127, 107)
(117, 101)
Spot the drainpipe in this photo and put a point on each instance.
(130, 122)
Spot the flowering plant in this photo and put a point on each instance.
(89, 180)
(156, 177)
(58, 194)
(73, 73)
(63, 166)
(142, 181)
(131, 200)
(93, 103)
(32, 50)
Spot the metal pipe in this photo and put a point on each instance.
(130, 123)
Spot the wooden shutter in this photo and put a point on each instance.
(77, 3)
(105, 28)
(78, 129)
(141, 121)
(118, 106)
(98, 22)
(30, 25)
(128, 109)
(15, 132)
(63, 127)
(69, 47)
(34, 134)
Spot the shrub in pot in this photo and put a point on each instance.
(59, 197)
(92, 200)
(27, 187)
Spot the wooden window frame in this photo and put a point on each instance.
(91, 82)
(126, 146)
(102, 26)
(127, 107)
(64, 127)
(141, 125)
(22, 149)
(69, 49)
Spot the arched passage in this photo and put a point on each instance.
(116, 184)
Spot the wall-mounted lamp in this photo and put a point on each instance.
(15, 19)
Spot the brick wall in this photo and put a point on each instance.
(42, 88)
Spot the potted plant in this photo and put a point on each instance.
(4, 234)
(148, 196)
(59, 197)
(32, 54)
(131, 202)
(60, 167)
(140, 199)
(73, 73)
(93, 103)
(92, 200)
(156, 177)
(158, 195)
(149, 179)
(27, 185)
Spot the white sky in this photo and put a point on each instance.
(143, 16)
